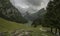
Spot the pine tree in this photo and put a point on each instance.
(52, 17)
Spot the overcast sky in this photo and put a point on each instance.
(29, 5)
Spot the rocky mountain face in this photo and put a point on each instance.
(36, 15)
(8, 11)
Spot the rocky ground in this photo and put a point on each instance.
(17, 32)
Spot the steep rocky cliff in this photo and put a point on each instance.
(8, 11)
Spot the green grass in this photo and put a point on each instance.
(10, 26)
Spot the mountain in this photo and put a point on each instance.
(28, 16)
(36, 15)
(40, 13)
(9, 12)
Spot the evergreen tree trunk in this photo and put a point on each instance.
(56, 31)
(51, 29)
(59, 32)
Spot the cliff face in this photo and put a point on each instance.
(8, 11)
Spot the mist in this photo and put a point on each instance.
(32, 6)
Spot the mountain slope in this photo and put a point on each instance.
(40, 13)
(36, 15)
(9, 12)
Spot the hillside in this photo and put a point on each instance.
(10, 26)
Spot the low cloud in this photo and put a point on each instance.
(29, 5)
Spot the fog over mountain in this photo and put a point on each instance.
(32, 6)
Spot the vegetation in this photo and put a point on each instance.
(52, 17)
(11, 26)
